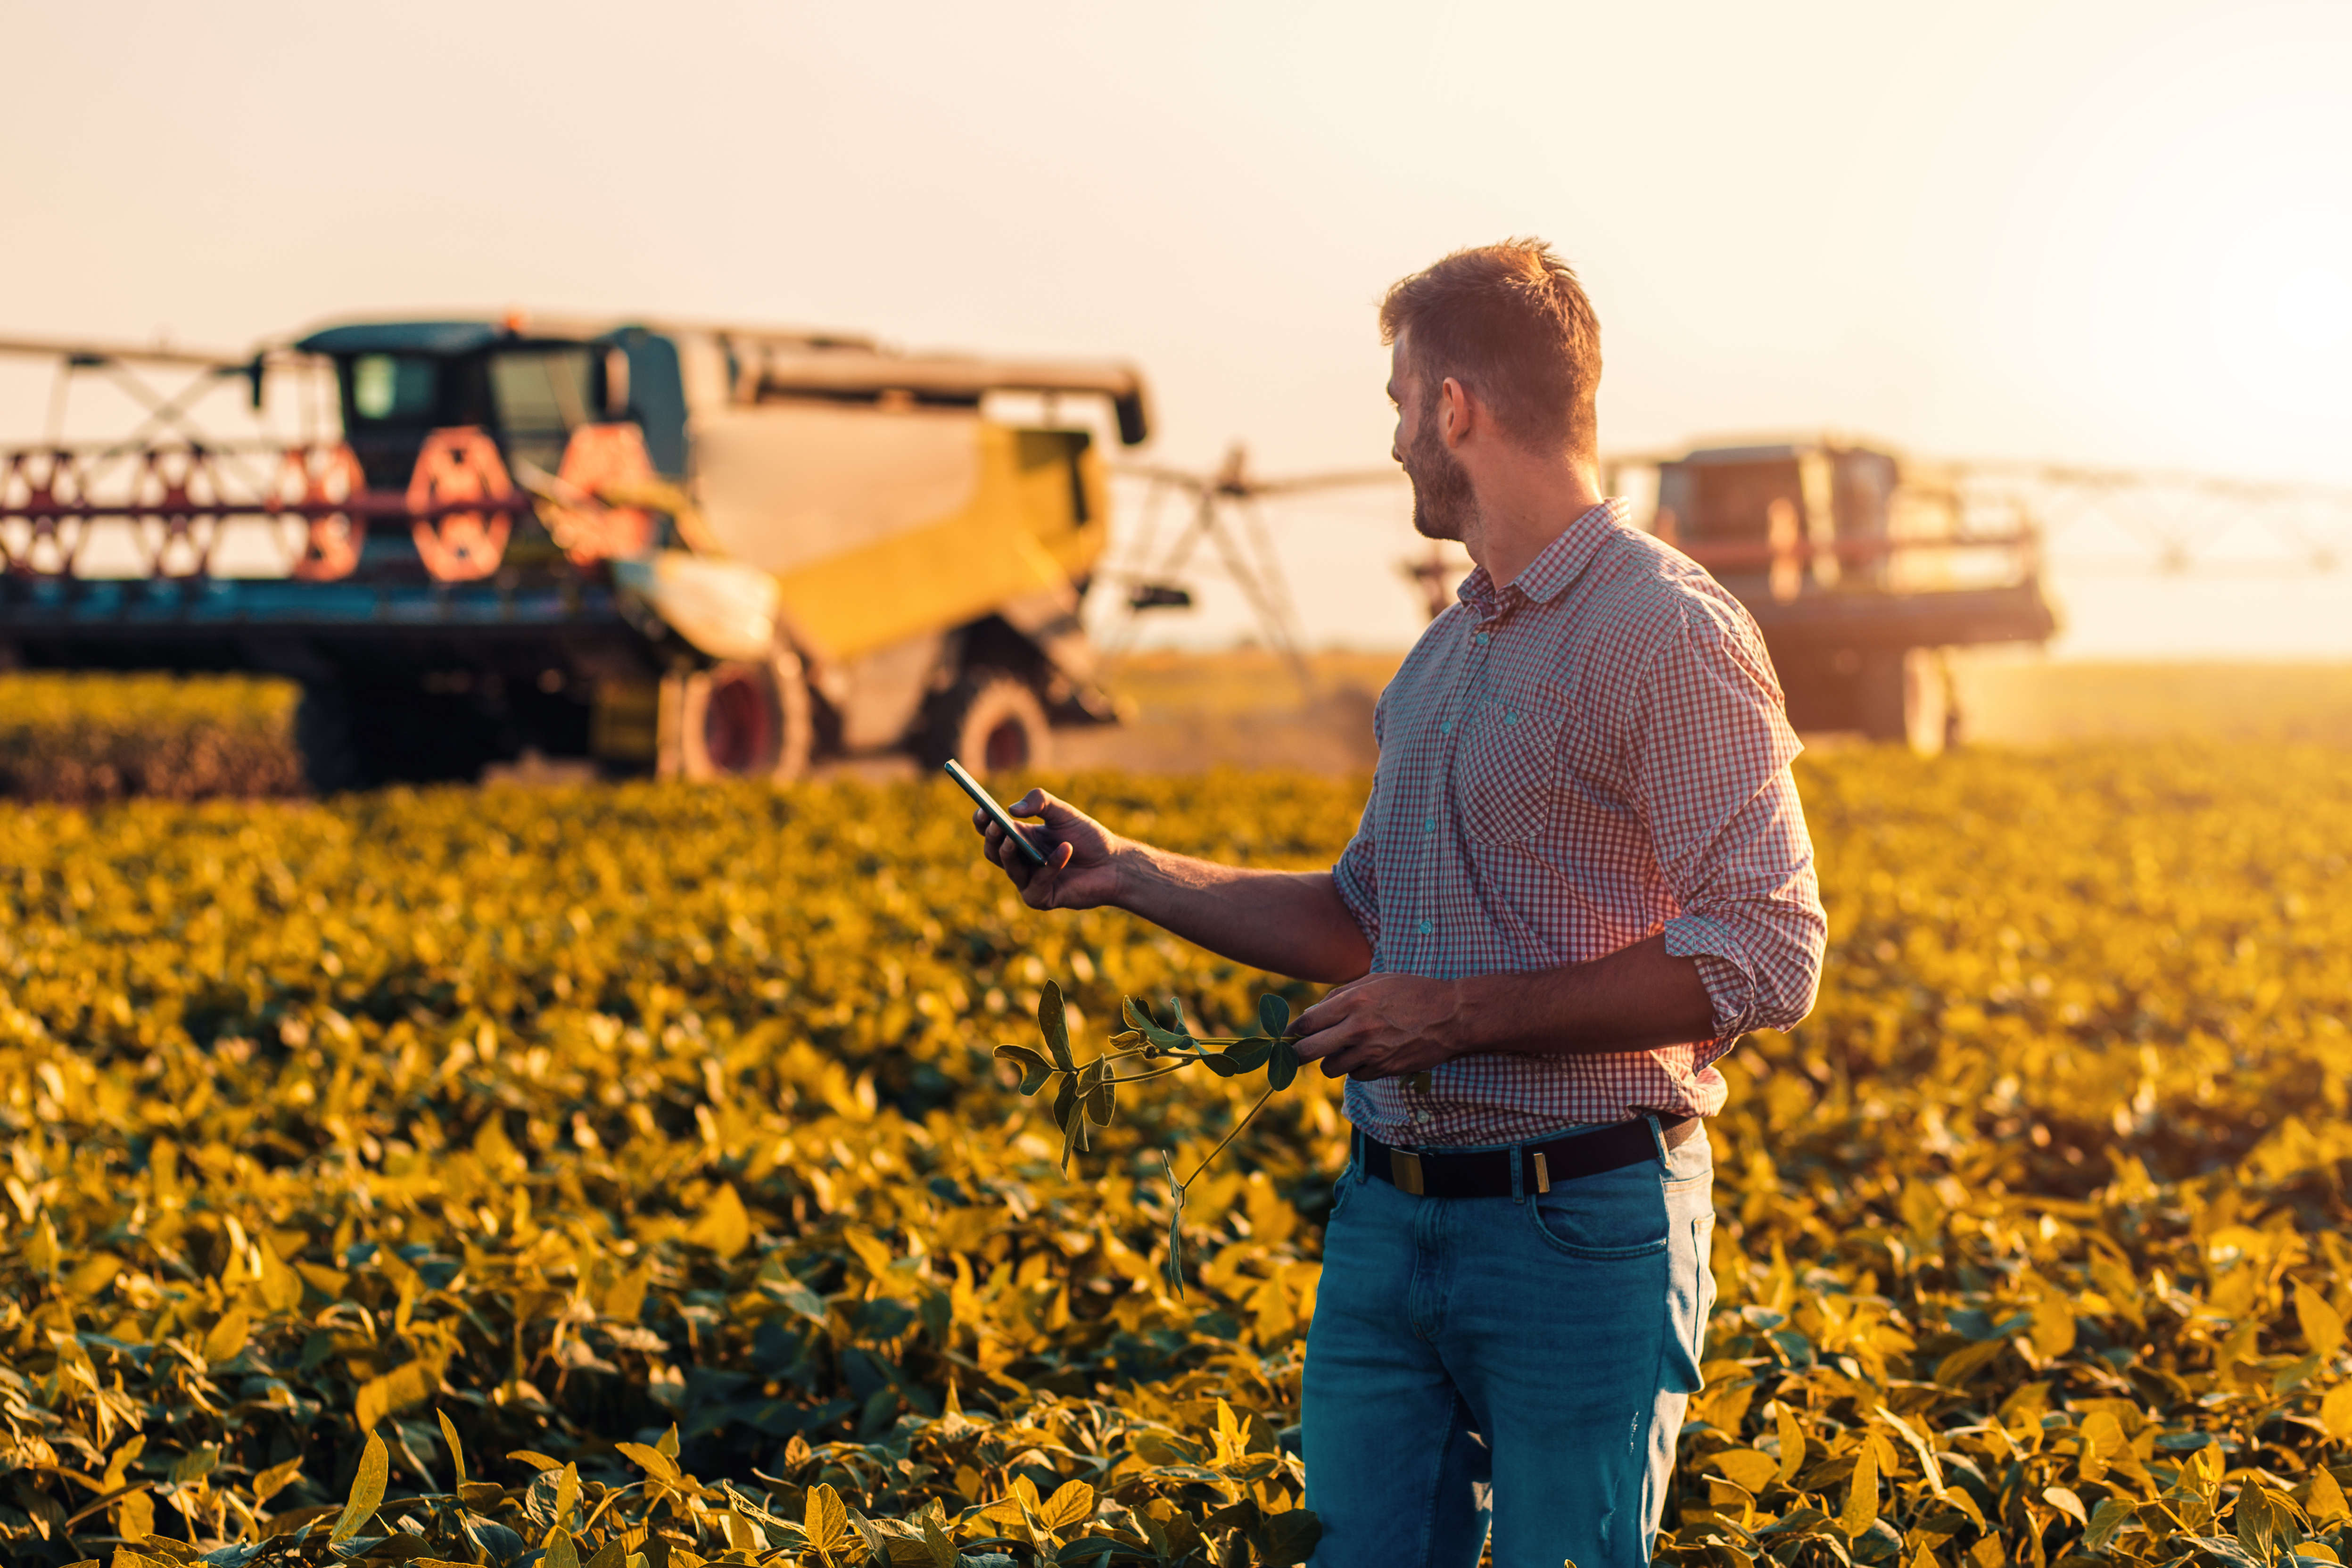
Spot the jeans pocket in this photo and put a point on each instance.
(1350, 1180)
(1606, 1218)
(1693, 1160)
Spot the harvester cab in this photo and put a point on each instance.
(695, 550)
(1861, 568)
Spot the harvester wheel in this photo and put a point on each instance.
(993, 722)
(744, 719)
(1906, 698)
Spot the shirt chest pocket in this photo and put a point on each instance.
(1505, 771)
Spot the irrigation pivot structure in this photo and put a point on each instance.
(1226, 518)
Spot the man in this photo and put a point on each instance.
(1582, 875)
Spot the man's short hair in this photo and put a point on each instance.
(1511, 323)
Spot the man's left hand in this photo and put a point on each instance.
(1384, 1025)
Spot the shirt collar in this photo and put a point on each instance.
(1549, 573)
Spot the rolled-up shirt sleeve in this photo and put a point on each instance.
(1356, 874)
(1357, 877)
(1709, 754)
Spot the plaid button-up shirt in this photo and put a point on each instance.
(1587, 757)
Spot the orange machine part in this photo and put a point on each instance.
(316, 477)
(458, 465)
(598, 456)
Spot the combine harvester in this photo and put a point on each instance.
(1860, 568)
(694, 551)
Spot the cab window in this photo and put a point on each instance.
(541, 391)
(394, 389)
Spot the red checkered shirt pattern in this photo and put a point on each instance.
(1591, 755)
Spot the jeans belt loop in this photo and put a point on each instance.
(1657, 1135)
(1519, 1176)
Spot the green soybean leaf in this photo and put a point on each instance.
(1282, 1067)
(1055, 1027)
(1248, 1055)
(1285, 1539)
(1273, 1016)
(651, 1460)
(1035, 1070)
(826, 1519)
(367, 1491)
(1070, 1113)
(457, 1449)
(1102, 1101)
(1222, 1063)
(1166, 1040)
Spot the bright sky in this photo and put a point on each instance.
(2116, 233)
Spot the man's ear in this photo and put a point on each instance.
(1453, 412)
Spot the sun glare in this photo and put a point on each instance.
(2201, 277)
(2278, 303)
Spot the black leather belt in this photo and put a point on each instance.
(1541, 1166)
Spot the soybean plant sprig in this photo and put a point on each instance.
(1089, 1094)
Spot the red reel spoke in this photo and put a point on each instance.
(456, 466)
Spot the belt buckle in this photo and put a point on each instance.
(1404, 1170)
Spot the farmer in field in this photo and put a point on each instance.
(1583, 873)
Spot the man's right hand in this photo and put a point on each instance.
(1077, 873)
(1292, 923)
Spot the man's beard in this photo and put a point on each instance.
(1443, 505)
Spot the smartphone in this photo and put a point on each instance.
(987, 803)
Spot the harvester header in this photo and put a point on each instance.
(701, 549)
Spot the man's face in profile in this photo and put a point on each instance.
(1442, 500)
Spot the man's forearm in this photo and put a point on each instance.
(1631, 1000)
(1289, 922)
(1386, 1025)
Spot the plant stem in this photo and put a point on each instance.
(1229, 1137)
(1156, 1072)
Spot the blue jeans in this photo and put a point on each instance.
(1523, 1362)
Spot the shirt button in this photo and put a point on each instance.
(1446, 728)
(1425, 928)
(1484, 640)
(1429, 824)
(1510, 717)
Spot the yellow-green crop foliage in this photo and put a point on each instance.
(643, 1146)
(88, 738)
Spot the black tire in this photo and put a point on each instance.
(326, 735)
(745, 720)
(359, 734)
(990, 720)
